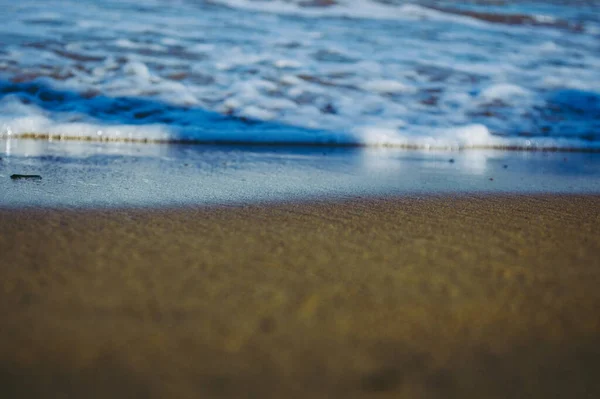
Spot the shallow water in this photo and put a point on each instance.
(84, 174)
(427, 74)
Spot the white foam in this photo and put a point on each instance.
(255, 112)
(470, 136)
(126, 43)
(19, 119)
(287, 64)
(368, 72)
(364, 9)
(41, 125)
(549, 47)
(137, 69)
(504, 92)
(388, 87)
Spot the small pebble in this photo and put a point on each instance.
(29, 177)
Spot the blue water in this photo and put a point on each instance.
(425, 74)
(79, 174)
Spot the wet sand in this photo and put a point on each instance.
(438, 297)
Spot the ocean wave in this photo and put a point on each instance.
(34, 110)
(345, 72)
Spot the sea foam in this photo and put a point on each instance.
(380, 73)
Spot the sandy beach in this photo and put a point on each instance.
(434, 297)
(299, 199)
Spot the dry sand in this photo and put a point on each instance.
(489, 296)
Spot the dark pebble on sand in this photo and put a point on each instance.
(25, 177)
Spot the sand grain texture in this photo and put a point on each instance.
(489, 296)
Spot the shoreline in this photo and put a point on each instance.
(308, 144)
(94, 175)
(443, 296)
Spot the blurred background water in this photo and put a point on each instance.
(425, 74)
